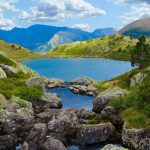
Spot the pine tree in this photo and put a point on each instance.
(140, 54)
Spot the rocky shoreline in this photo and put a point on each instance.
(44, 125)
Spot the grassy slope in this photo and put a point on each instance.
(114, 47)
(15, 84)
(135, 106)
(18, 53)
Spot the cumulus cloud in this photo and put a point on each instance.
(132, 1)
(8, 5)
(6, 24)
(56, 10)
(84, 27)
(137, 12)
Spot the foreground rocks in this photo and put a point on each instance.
(47, 101)
(136, 138)
(111, 114)
(113, 147)
(105, 97)
(8, 141)
(93, 134)
(52, 144)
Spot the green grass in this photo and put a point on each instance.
(114, 47)
(6, 61)
(17, 87)
(19, 53)
(135, 107)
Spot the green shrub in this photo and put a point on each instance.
(6, 61)
(17, 87)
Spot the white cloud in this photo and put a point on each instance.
(56, 10)
(6, 24)
(137, 12)
(131, 1)
(84, 27)
(8, 5)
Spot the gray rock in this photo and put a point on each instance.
(29, 146)
(47, 101)
(2, 73)
(52, 144)
(46, 116)
(85, 114)
(111, 114)
(113, 147)
(83, 81)
(9, 69)
(8, 141)
(36, 81)
(53, 83)
(103, 98)
(14, 117)
(76, 91)
(136, 138)
(24, 69)
(93, 134)
(137, 79)
(144, 144)
(38, 133)
(64, 123)
(91, 89)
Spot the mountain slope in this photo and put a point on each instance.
(40, 38)
(17, 52)
(137, 28)
(114, 46)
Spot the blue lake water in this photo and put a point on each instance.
(71, 100)
(69, 69)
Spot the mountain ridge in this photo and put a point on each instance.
(38, 37)
(137, 28)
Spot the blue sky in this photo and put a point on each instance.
(84, 14)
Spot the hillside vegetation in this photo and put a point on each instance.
(115, 47)
(17, 52)
(135, 106)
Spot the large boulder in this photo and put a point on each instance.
(38, 133)
(85, 114)
(47, 101)
(2, 73)
(52, 144)
(137, 79)
(111, 114)
(93, 134)
(9, 69)
(8, 141)
(136, 138)
(14, 116)
(64, 123)
(53, 83)
(103, 98)
(24, 69)
(83, 81)
(113, 147)
(46, 116)
(36, 81)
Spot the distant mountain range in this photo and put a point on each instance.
(137, 28)
(41, 38)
